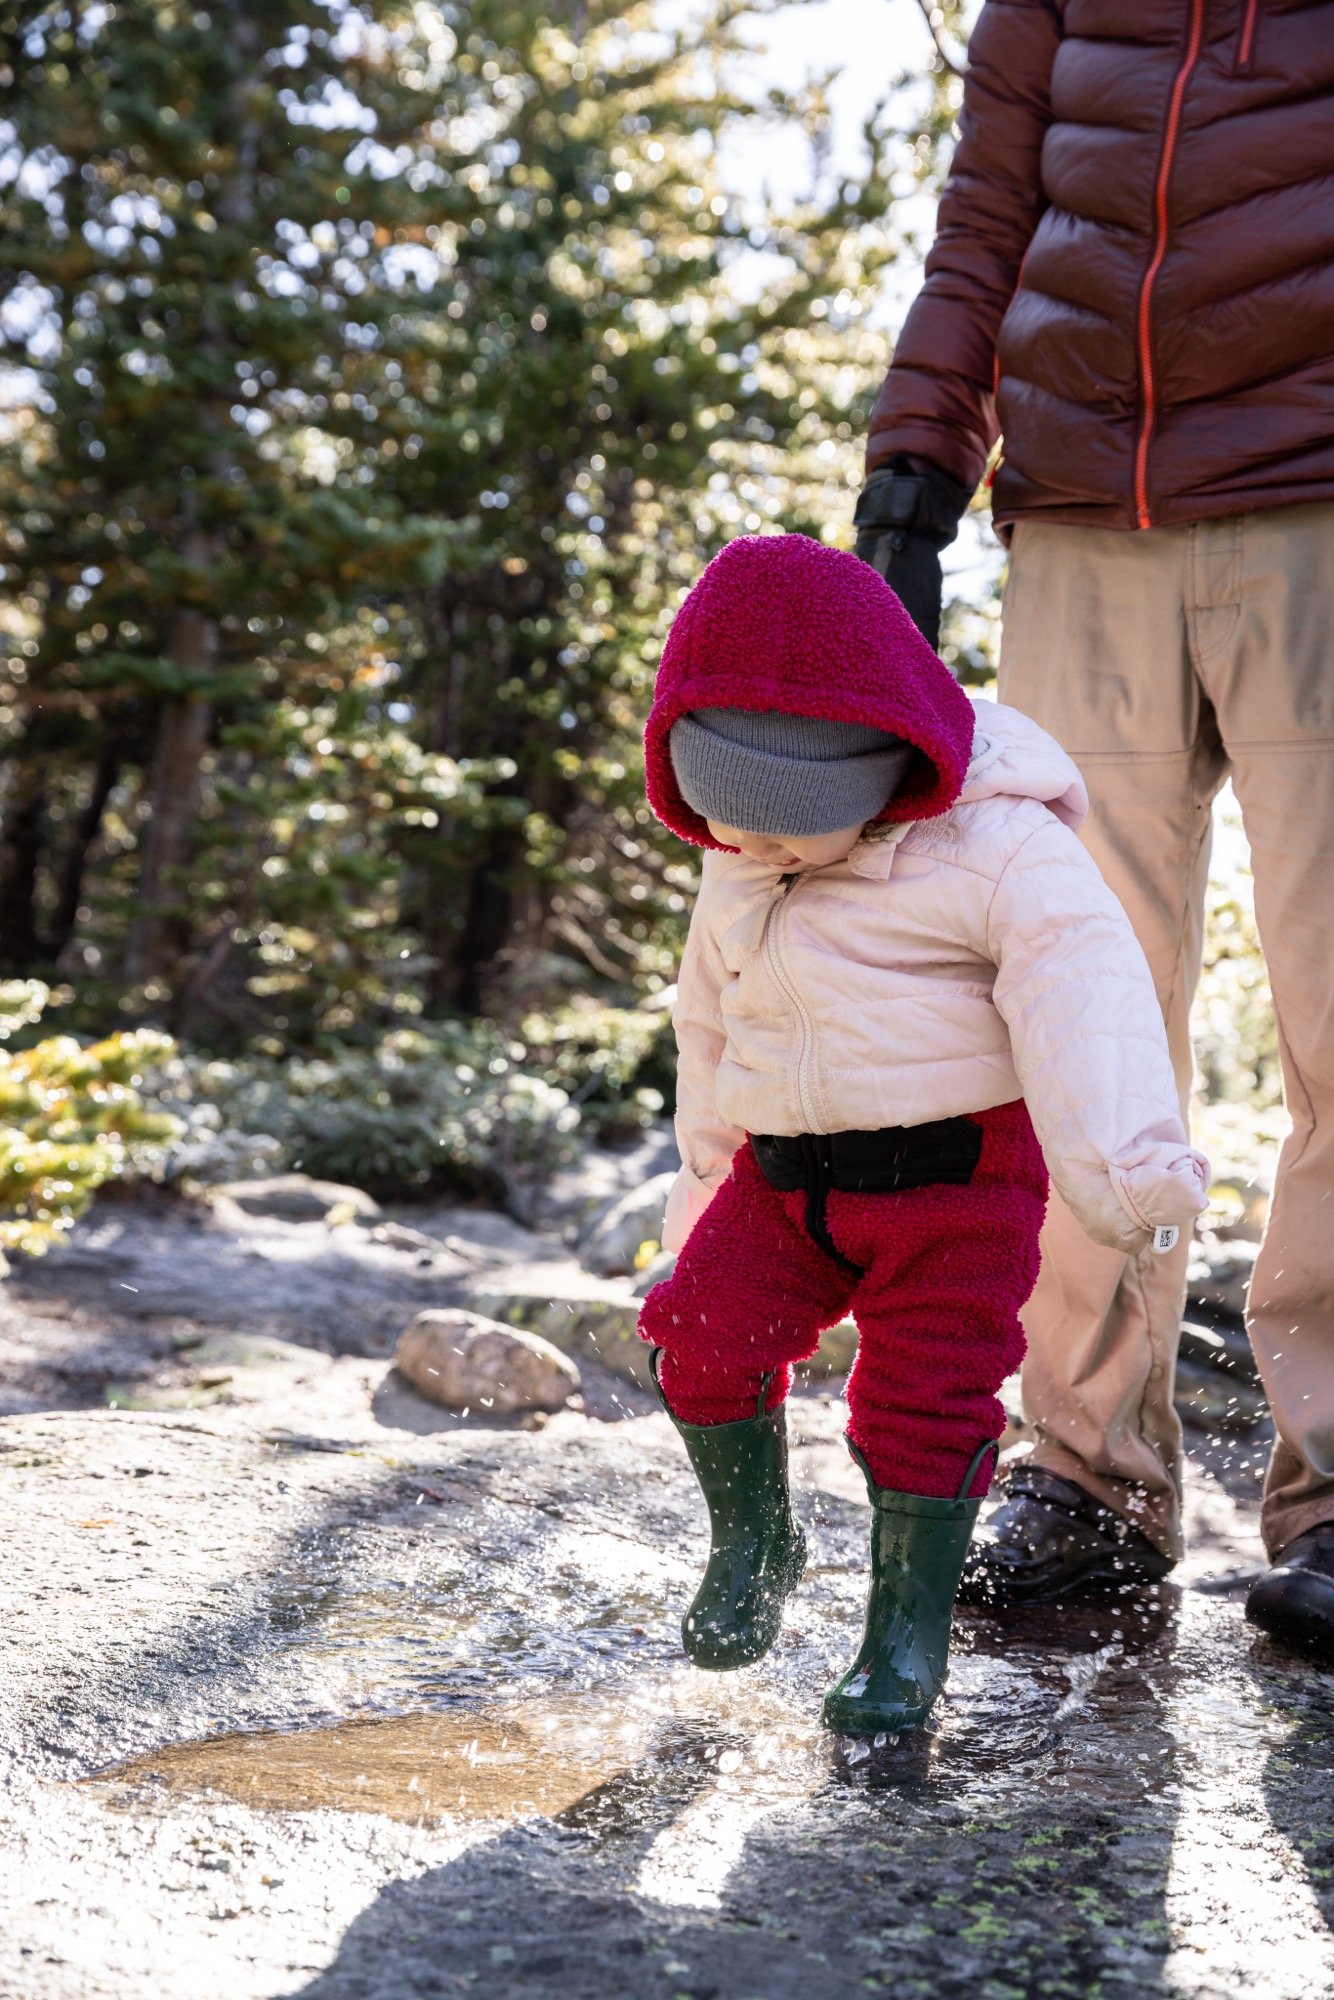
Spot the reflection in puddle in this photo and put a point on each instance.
(554, 1758)
(756, 1768)
(688, 1864)
(414, 1767)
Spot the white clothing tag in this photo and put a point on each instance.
(1165, 1239)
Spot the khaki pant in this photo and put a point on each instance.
(1164, 661)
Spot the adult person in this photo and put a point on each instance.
(1132, 286)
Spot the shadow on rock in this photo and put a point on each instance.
(1143, 1622)
(929, 1868)
(1298, 1781)
(545, 1907)
(400, 1407)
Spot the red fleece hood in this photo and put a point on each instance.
(781, 622)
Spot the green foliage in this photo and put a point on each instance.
(392, 384)
(423, 1111)
(617, 1064)
(22, 1003)
(452, 1107)
(1236, 1042)
(209, 233)
(204, 221)
(70, 1118)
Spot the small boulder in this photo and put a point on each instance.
(570, 1201)
(298, 1198)
(577, 1313)
(465, 1362)
(611, 1246)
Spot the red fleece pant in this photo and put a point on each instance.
(946, 1272)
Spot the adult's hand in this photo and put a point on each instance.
(905, 516)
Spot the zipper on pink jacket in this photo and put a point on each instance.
(1246, 39)
(1191, 55)
(804, 1022)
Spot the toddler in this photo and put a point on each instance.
(906, 995)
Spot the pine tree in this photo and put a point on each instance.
(206, 222)
(393, 385)
(608, 405)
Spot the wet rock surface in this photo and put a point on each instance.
(313, 1689)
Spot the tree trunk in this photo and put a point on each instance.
(89, 824)
(488, 920)
(21, 946)
(159, 934)
(446, 724)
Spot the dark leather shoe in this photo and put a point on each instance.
(1294, 1601)
(1051, 1539)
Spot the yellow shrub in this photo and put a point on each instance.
(70, 1119)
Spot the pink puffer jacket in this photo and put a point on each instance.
(966, 952)
(946, 966)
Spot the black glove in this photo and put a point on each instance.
(903, 520)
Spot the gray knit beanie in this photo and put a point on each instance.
(765, 772)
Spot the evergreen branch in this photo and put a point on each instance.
(926, 10)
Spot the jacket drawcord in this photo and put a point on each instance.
(817, 1155)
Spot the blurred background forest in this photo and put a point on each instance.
(374, 380)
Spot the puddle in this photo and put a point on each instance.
(481, 1657)
(418, 1650)
(471, 1765)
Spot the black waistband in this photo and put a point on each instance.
(884, 1162)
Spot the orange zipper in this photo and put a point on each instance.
(1194, 35)
(1246, 44)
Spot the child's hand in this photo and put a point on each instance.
(1162, 1185)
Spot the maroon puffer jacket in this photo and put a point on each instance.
(1133, 276)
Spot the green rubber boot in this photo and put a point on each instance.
(758, 1552)
(917, 1551)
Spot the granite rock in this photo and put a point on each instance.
(466, 1362)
